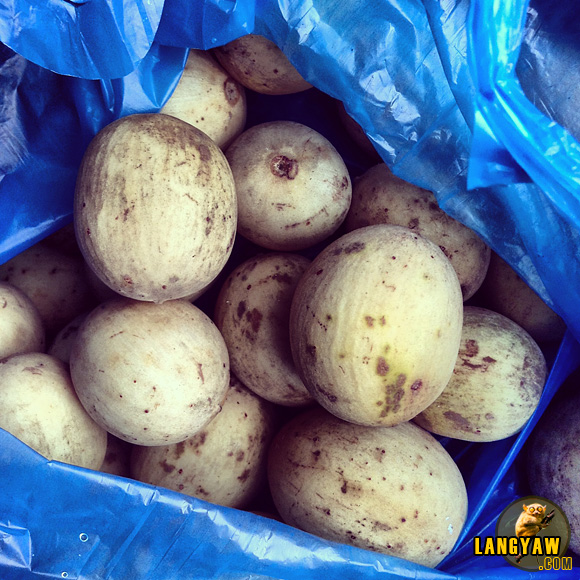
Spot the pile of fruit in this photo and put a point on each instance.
(233, 315)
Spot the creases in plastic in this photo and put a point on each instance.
(88, 39)
(14, 146)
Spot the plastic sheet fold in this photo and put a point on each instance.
(96, 39)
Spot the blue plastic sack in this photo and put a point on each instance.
(515, 87)
(94, 39)
(407, 72)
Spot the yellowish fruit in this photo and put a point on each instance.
(375, 325)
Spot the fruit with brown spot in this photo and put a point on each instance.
(209, 99)
(260, 65)
(225, 463)
(393, 490)
(496, 385)
(38, 404)
(293, 187)
(252, 313)
(155, 207)
(375, 325)
(379, 196)
(150, 374)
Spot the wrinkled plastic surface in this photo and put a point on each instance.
(525, 62)
(97, 39)
(421, 80)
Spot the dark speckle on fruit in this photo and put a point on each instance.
(204, 152)
(244, 475)
(282, 166)
(417, 385)
(382, 366)
(354, 248)
(471, 348)
(166, 466)
(460, 421)
(254, 317)
(311, 350)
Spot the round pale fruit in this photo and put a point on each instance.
(375, 325)
(504, 291)
(22, 327)
(155, 207)
(209, 99)
(38, 404)
(225, 463)
(293, 187)
(252, 312)
(54, 281)
(496, 384)
(150, 374)
(260, 65)
(380, 197)
(393, 490)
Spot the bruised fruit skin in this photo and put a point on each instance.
(496, 384)
(225, 463)
(293, 187)
(38, 404)
(209, 99)
(375, 325)
(252, 313)
(258, 64)
(155, 207)
(20, 321)
(150, 374)
(379, 196)
(392, 490)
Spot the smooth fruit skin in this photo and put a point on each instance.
(496, 383)
(393, 490)
(150, 374)
(375, 325)
(155, 208)
(252, 311)
(38, 404)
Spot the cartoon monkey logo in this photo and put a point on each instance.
(532, 519)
